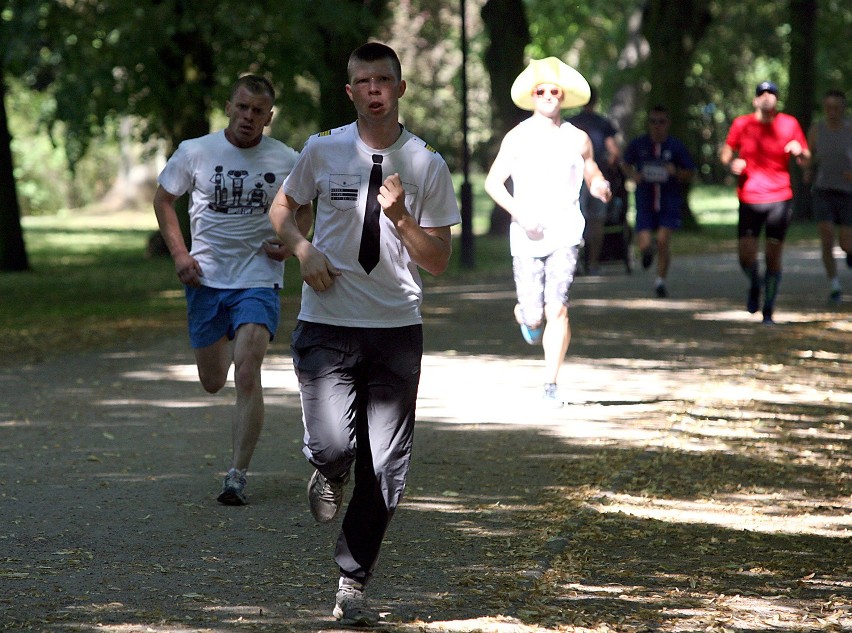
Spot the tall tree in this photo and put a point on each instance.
(13, 253)
(18, 20)
(801, 98)
(102, 60)
(336, 28)
(506, 24)
(673, 31)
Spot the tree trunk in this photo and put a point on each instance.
(336, 108)
(191, 80)
(508, 29)
(673, 30)
(13, 253)
(800, 100)
(337, 44)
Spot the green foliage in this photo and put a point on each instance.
(44, 181)
(833, 59)
(427, 37)
(590, 36)
(91, 62)
(106, 283)
(746, 42)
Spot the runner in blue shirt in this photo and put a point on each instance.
(659, 164)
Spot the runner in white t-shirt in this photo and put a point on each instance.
(234, 271)
(358, 346)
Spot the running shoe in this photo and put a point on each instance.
(350, 606)
(835, 296)
(325, 496)
(661, 291)
(753, 301)
(233, 489)
(551, 397)
(532, 335)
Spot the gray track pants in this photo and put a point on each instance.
(359, 389)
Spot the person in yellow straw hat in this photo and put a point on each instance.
(547, 159)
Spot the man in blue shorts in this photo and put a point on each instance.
(234, 272)
(659, 164)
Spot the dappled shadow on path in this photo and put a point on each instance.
(698, 478)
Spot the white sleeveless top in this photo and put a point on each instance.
(546, 181)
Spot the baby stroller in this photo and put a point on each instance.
(618, 235)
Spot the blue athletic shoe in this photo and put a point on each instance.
(531, 335)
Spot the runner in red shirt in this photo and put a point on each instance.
(758, 151)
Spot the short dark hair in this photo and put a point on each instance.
(661, 109)
(835, 92)
(255, 84)
(372, 52)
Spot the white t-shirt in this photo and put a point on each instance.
(231, 189)
(546, 178)
(335, 168)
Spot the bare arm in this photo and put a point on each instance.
(684, 175)
(812, 166)
(275, 249)
(292, 222)
(801, 154)
(726, 157)
(596, 182)
(430, 248)
(612, 149)
(495, 185)
(188, 270)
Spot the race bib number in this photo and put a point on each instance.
(654, 172)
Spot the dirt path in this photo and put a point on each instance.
(699, 479)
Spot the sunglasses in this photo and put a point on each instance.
(540, 92)
(657, 121)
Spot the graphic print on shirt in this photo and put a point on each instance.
(343, 190)
(230, 196)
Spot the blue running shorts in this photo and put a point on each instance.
(215, 312)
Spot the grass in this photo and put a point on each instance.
(92, 284)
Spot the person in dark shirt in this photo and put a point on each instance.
(659, 164)
(607, 155)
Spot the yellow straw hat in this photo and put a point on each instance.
(550, 70)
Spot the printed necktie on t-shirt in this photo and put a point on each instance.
(368, 255)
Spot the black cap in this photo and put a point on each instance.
(765, 86)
